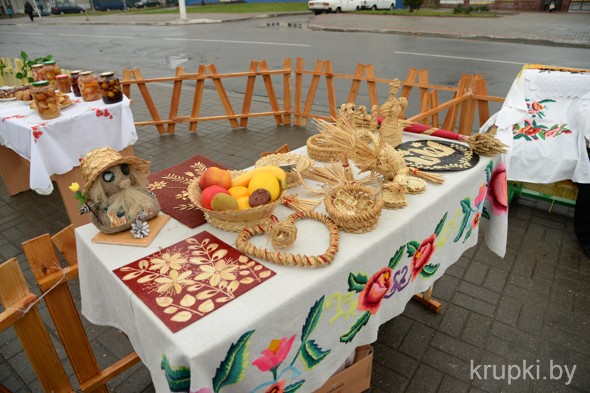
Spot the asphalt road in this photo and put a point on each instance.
(156, 50)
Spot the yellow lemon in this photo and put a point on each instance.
(239, 191)
(267, 181)
(243, 203)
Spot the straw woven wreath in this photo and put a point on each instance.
(287, 228)
(354, 208)
(98, 160)
(232, 220)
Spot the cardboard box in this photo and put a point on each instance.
(355, 378)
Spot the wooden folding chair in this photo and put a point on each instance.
(52, 280)
(21, 313)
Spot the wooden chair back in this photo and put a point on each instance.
(21, 313)
(52, 280)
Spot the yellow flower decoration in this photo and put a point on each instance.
(74, 187)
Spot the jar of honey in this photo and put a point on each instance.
(37, 72)
(46, 100)
(110, 88)
(74, 82)
(50, 71)
(88, 83)
(63, 83)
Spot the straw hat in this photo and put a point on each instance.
(98, 160)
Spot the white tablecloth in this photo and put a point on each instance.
(545, 122)
(55, 146)
(300, 325)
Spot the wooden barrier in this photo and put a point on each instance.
(469, 96)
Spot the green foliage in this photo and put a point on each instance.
(233, 368)
(313, 318)
(25, 72)
(311, 354)
(397, 257)
(413, 4)
(357, 282)
(460, 9)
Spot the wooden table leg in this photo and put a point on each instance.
(426, 299)
(15, 171)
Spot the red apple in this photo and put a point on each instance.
(214, 176)
(209, 193)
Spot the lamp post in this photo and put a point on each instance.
(182, 9)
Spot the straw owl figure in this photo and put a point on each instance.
(116, 191)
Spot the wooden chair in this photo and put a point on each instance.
(52, 280)
(30, 329)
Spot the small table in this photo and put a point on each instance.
(300, 325)
(34, 151)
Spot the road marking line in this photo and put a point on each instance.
(14, 32)
(459, 58)
(96, 36)
(236, 42)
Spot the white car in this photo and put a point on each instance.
(378, 5)
(319, 6)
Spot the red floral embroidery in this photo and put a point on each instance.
(13, 117)
(498, 190)
(422, 255)
(277, 387)
(102, 112)
(375, 289)
(37, 132)
(475, 221)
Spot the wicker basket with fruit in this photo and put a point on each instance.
(235, 200)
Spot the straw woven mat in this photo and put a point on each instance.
(170, 186)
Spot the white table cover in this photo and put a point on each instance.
(545, 122)
(55, 146)
(296, 329)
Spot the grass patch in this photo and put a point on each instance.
(240, 8)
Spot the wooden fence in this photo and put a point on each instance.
(468, 96)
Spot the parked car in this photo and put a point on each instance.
(66, 8)
(147, 3)
(319, 6)
(378, 5)
(107, 5)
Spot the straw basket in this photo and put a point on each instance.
(301, 163)
(354, 208)
(232, 220)
(319, 149)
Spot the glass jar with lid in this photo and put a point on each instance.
(37, 72)
(50, 71)
(74, 82)
(63, 83)
(46, 100)
(88, 83)
(110, 88)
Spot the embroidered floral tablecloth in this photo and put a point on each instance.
(545, 122)
(291, 332)
(55, 146)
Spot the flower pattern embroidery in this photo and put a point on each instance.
(422, 256)
(174, 282)
(498, 191)
(274, 355)
(278, 387)
(536, 108)
(531, 131)
(102, 113)
(217, 273)
(157, 185)
(375, 290)
(37, 131)
(13, 117)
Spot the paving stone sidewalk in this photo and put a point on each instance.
(533, 305)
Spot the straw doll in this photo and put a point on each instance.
(115, 190)
(391, 126)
